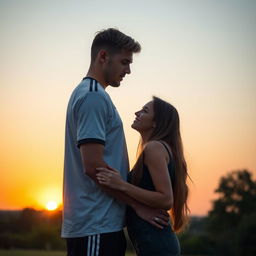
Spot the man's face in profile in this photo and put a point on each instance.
(117, 66)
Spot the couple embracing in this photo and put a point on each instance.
(101, 195)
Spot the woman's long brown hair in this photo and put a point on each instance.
(167, 129)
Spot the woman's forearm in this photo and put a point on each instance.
(153, 199)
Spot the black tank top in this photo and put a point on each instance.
(146, 180)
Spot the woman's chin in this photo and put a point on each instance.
(134, 126)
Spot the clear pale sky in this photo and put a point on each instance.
(197, 54)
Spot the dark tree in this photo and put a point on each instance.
(232, 222)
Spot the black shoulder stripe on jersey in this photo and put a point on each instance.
(96, 86)
(91, 82)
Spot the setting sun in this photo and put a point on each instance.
(51, 205)
(48, 197)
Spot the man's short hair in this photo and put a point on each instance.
(113, 41)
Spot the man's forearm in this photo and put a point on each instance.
(145, 212)
(119, 195)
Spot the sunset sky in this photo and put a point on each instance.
(200, 55)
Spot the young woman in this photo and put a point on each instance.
(158, 179)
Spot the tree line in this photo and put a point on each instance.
(228, 229)
(230, 226)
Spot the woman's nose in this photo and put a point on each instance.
(128, 70)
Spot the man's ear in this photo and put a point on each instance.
(103, 56)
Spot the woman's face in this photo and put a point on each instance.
(144, 119)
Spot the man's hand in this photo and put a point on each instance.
(156, 217)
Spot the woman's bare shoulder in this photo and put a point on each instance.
(154, 149)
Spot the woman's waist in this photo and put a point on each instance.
(136, 222)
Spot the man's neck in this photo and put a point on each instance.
(97, 76)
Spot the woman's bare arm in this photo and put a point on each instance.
(156, 161)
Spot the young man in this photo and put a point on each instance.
(93, 219)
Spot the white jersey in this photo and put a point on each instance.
(91, 117)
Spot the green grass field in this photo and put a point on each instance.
(41, 253)
(30, 253)
(36, 253)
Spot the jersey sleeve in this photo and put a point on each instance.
(91, 120)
